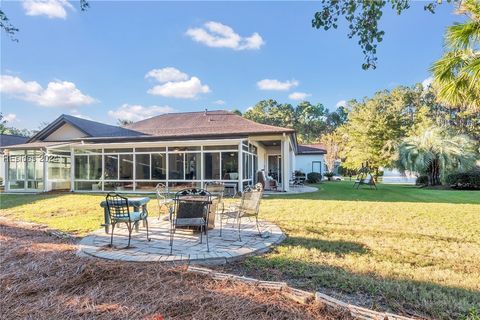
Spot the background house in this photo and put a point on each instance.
(178, 149)
(310, 158)
(5, 141)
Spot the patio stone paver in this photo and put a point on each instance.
(186, 247)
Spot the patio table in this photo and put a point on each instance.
(136, 203)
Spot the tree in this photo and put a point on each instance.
(332, 142)
(435, 152)
(11, 30)
(124, 122)
(308, 120)
(374, 128)
(2, 124)
(363, 18)
(457, 73)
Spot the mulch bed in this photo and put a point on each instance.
(41, 277)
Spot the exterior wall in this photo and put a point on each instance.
(303, 162)
(64, 133)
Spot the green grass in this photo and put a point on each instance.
(408, 250)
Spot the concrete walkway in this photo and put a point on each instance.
(186, 247)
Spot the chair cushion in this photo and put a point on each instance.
(134, 216)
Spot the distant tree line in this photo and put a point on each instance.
(310, 121)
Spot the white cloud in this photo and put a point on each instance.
(167, 74)
(273, 84)
(341, 103)
(219, 102)
(188, 89)
(10, 117)
(57, 94)
(49, 8)
(218, 35)
(299, 95)
(427, 82)
(138, 112)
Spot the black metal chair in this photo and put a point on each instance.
(249, 207)
(119, 212)
(191, 210)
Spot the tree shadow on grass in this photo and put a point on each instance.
(333, 246)
(343, 191)
(12, 200)
(397, 295)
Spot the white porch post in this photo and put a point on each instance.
(285, 163)
(240, 166)
(6, 161)
(45, 171)
(72, 169)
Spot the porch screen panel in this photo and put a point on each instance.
(175, 166)
(111, 167)
(212, 166)
(159, 166)
(81, 167)
(229, 165)
(193, 166)
(95, 167)
(142, 166)
(126, 167)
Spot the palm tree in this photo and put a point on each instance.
(436, 153)
(457, 74)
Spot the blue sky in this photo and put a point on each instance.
(138, 59)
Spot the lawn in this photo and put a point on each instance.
(412, 251)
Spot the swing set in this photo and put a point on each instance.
(365, 177)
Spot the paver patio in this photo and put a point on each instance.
(186, 247)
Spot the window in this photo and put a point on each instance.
(142, 166)
(159, 167)
(229, 165)
(212, 166)
(175, 166)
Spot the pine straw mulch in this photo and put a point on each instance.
(42, 278)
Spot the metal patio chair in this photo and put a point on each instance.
(191, 209)
(119, 212)
(249, 207)
(217, 189)
(162, 199)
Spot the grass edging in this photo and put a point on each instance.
(301, 296)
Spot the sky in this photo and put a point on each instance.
(133, 60)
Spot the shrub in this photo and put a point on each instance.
(469, 180)
(421, 181)
(314, 177)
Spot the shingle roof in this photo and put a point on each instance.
(9, 140)
(36, 145)
(89, 127)
(315, 148)
(208, 123)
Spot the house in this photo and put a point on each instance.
(5, 141)
(310, 158)
(177, 149)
